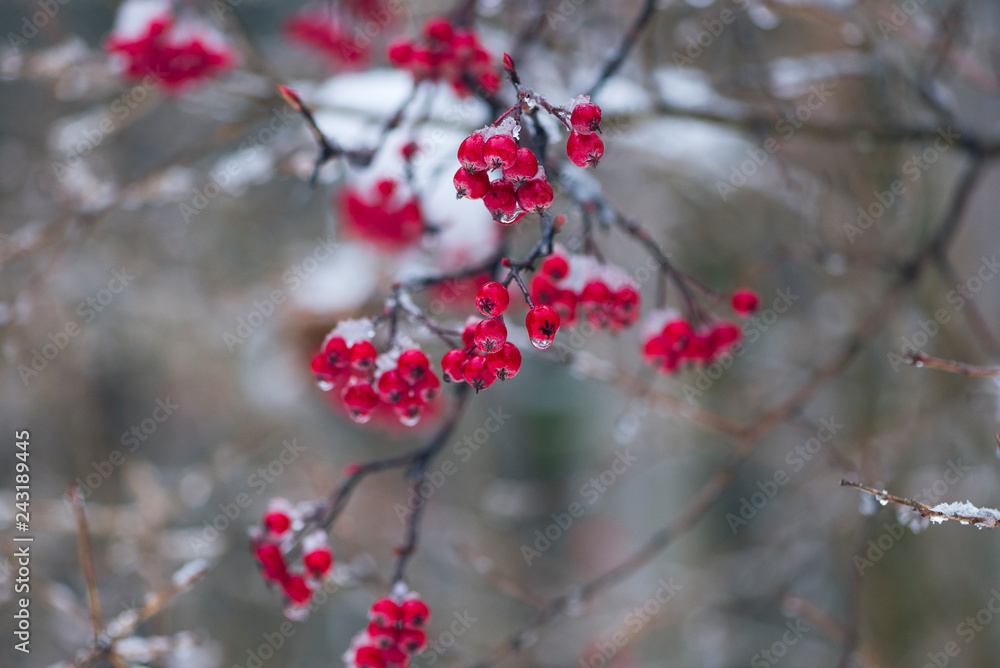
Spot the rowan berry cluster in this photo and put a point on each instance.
(446, 53)
(671, 340)
(387, 216)
(394, 635)
(151, 41)
(521, 185)
(400, 379)
(607, 295)
(487, 355)
(272, 540)
(328, 34)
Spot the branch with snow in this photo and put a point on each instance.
(964, 512)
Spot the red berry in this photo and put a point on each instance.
(677, 330)
(391, 386)
(453, 365)
(323, 370)
(586, 118)
(369, 657)
(525, 167)
(491, 334)
(360, 399)
(492, 299)
(535, 195)
(385, 612)
(469, 334)
(272, 561)
(336, 352)
(428, 388)
(595, 292)
(362, 356)
(473, 185)
(542, 323)
(297, 589)
(470, 153)
(439, 29)
(542, 289)
(383, 637)
(501, 200)
(415, 613)
(564, 302)
(400, 52)
(724, 334)
(478, 374)
(395, 657)
(584, 150)
(277, 522)
(413, 365)
(506, 362)
(412, 641)
(745, 302)
(500, 151)
(627, 304)
(410, 408)
(555, 266)
(318, 562)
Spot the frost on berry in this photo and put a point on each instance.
(586, 118)
(542, 323)
(492, 299)
(584, 150)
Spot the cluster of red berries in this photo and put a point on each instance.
(385, 217)
(487, 355)
(447, 53)
(671, 340)
(269, 543)
(394, 635)
(319, 30)
(606, 293)
(175, 53)
(584, 147)
(521, 186)
(401, 380)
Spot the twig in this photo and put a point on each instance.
(919, 359)
(989, 519)
(86, 561)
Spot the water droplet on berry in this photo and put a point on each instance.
(541, 344)
(509, 218)
(324, 385)
(360, 418)
(409, 420)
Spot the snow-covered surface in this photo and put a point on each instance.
(342, 283)
(990, 516)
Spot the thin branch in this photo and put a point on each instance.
(628, 42)
(86, 560)
(981, 518)
(919, 360)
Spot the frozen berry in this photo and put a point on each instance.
(542, 323)
(478, 374)
(505, 362)
(584, 150)
(473, 185)
(535, 195)
(385, 612)
(555, 266)
(391, 386)
(362, 356)
(525, 167)
(491, 334)
(586, 118)
(470, 153)
(492, 299)
(500, 151)
(453, 365)
(501, 199)
(415, 613)
(413, 365)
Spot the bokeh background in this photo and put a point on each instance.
(869, 86)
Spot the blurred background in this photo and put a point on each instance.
(809, 150)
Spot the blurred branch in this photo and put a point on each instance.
(981, 518)
(919, 359)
